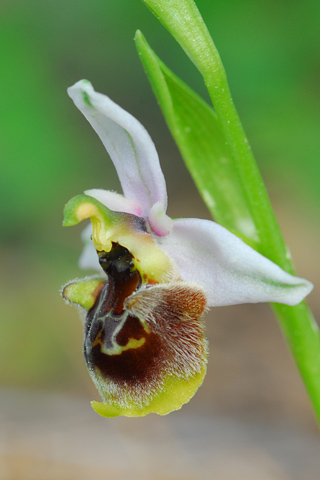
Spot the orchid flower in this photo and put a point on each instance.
(144, 342)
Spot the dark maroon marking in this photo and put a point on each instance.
(133, 365)
(131, 329)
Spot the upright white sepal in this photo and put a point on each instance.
(128, 144)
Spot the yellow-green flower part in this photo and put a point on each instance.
(125, 229)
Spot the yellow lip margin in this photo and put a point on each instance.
(175, 393)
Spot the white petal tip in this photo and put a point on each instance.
(297, 291)
(128, 143)
(80, 85)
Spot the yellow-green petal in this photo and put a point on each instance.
(83, 292)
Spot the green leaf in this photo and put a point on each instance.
(196, 130)
(184, 22)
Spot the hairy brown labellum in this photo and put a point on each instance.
(136, 334)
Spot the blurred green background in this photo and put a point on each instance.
(49, 153)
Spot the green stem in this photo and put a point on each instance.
(184, 22)
(302, 334)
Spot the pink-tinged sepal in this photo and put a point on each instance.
(128, 143)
